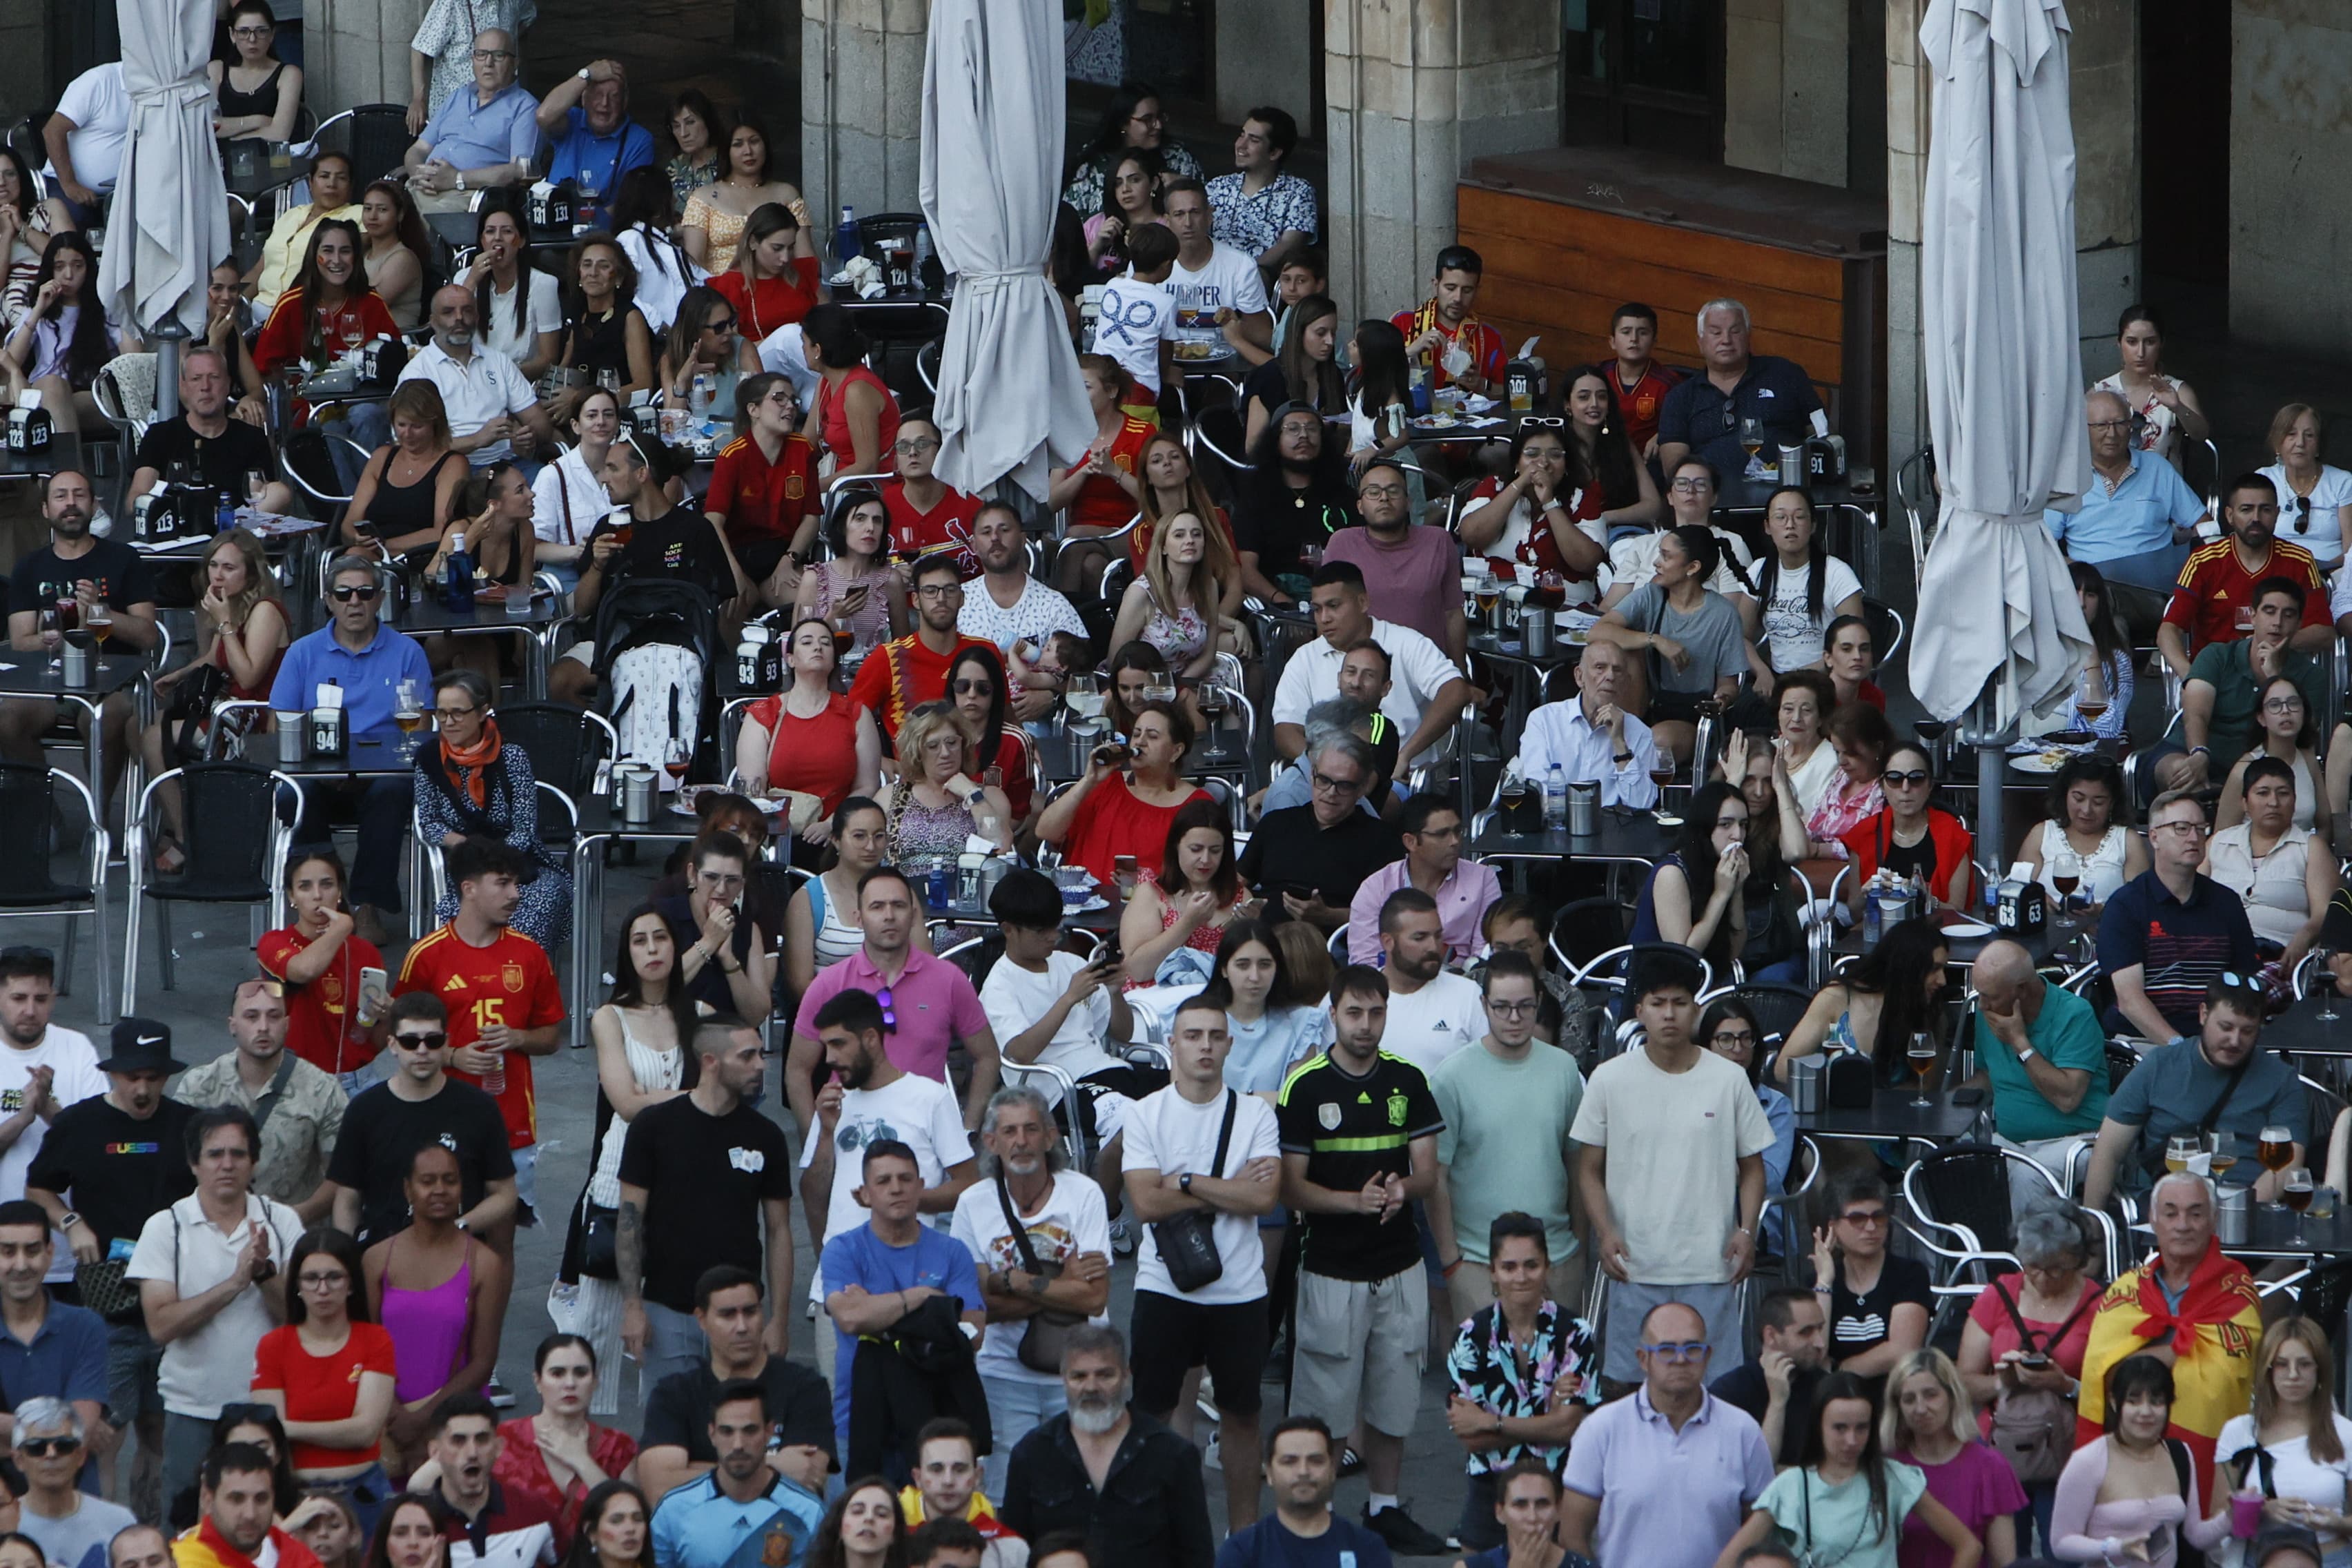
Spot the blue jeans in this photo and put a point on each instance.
(674, 1342)
(1017, 1406)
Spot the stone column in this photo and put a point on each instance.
(2290, 175)
(1784, 88)
(2106, 108)
(862, 105)
(356, 51)
(1414, 91)
(1909, 101)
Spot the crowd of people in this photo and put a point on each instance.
(1317, 1103)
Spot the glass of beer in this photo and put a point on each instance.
(2221, 1149)
(2296, 1190)
(2177, 1151)
(99, 622)
(1921, 1054)
(408, 712)
(2275, 1149)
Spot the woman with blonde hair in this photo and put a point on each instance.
(410, 489)
(1175, 604)
(2293, 1447)
(2315, 498)
(241, 636)
(1169, 486)
(933, 805)
(1929, 1424)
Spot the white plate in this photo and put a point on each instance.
(2042, 762)
(1968, 929)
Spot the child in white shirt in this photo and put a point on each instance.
(1137, 325)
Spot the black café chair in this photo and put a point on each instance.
(374, 136)
(235, 841)
(30, 798)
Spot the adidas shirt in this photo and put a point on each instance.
(1352, 1130)
(509, 982)
(1434, 1022)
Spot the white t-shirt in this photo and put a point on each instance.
(74, 1077)
(212, 1366)
(1795, 636)
(2293, 1472)
(920, 1113)
(1168, 1133)
(1229, 279)
(1674, 1141)
(566, 493)
(2323, 535)
(1136, 318)
(99, 107)
(542, 311)
(665, 272)
(1014, 999)
(1634, 560)
(473, 394)
(1073, 1220)
(1417, 669)
(1037, 613)
(1436, 1021)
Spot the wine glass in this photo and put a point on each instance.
(255, 481)
(2322, 980)
(2066, 875)
(98, 621)
(348, 329)
(2275, 1149)
(52, 638)
(2090, 693)
(677, 759)
(2296, 1190)
(1212, 699)
(1661, 773)
(1922, 1054)
(408, 712)
(2179, 1150)
(2221, 1151)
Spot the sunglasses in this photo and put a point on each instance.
(1915, 776)
(726, 326)
(1679, 1351)
(432, 1042)
(40, 1447)
(889, 1009)
(1865, 1217)
(346, 593)
(2302, 505)
(973, 689)
(269, 986)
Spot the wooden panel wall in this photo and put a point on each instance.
(1559, 270)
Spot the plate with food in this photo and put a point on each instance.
(2048, 760)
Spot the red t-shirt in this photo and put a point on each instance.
(1640, 403)
(322, 1018)
(773, 302)
(946, 525)
(816, 756)
(2214, 583)
(509, 982)
(760, 499)
(280, 342)
(1485, 346)
(903, 673)
(322, 1387)
(1102, 503)
(1540, 548)
(1111, 823)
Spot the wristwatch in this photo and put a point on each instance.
(582, 74)
(1184, 1184)
(461, 179)
(67, 1220)
(2026, 1054)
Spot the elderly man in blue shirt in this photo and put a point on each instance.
(366, 660)
(587, 119)
(1703, 415)
(476, 139)
(2138, 519)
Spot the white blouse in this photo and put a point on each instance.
(2321, 534)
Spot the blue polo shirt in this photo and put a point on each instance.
(370, 679)
(2180, 945)
(699, 1526)
(1704, 417)
(596, 163)
(863, 1258)
(2138, 518)
(467, 133)
(66, 1360)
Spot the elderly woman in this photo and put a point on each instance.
(2314, 497)
(2085, 835)
(933, 806)
(1126, 800)
(1803, 701)
(2022, 1349)
(2284, 873)
(469, 781)
(1862, 739)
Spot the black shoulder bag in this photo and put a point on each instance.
(2153, 1163)
(1049, 1328)
(1187, 1242)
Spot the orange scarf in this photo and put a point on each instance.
(471, 766)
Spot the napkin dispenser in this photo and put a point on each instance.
(381, 360)
(1825, 461)
(1847, 1083)
(29, 426)
(2020, 906)
(1805, 1085)
(554, 205)
(330, 724)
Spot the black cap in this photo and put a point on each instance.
(141, 1044)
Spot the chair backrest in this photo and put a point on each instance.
(231, 810)
(977, 956)
(564, 746)
(1778, 1008)
(27, 797)
(1966, 1183)
(2121, 1060)
(128, 381)
(1584, 929)
(311, 464)
(374, 135)
(1885, 624)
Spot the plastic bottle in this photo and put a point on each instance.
(849, 242)
(494, 1082)
(458, 576)
(698, 398)
(1555, 800)
(224, 514)
(1871, 917)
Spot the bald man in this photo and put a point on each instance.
(2042, 1051)
(493, 413)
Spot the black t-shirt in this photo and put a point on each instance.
(1912, 861)
(705, 1178)
(382, 1133)
(1271, 520)
(799, 1407)
(1744, 1386)
(710, 983)
(1291, 850)
(1352, 1130)
(221, 462)
(115, 1169)
(41, 579)
(682, 545)
(1858, 1323)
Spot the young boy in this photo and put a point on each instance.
(1565, 1016)
(1137, 325)
(1642, 383)
(1302, 276)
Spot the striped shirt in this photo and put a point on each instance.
(2180, 946)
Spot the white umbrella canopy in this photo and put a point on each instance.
(1010, 400)
(2004, 381)
(170, 219)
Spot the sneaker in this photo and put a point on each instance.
(1122, 1238)
(1404, 1533)
(1351, 1463)
(497, 1393)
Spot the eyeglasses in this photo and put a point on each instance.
(1864, 1216)
(726, 326)
(39, 1448)
(432, 1042)
(343, 593)
(1384, 492)
(1692, 487)
(480, 55)
(2110, 424)
(941, 591)
(1733, 1038)
(1679, 1351)
(1147, 119)
(1330, 786)
(918, 443)
(1915, 776)
(973, 689)
(2302, 505)
(889, 1008)
(2196, 829)
(323, 1281)
(2282, 704)
(1542, 422)
(720, 878)
(1512, 1009)
(248, 32)
(439, 712)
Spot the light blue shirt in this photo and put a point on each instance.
(699, 1526)
(1629, 1457)
(370, 679)
(2139, 517)
(596, 163)
(467, 133)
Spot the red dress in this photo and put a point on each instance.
(816, 756)
(772, 302)
(1111, 823)
(522, 1469)
(833, 417)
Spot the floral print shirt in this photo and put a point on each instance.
(1562, 1362)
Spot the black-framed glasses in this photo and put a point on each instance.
(493, 55)
(1733, 1038)
(1897, 776)
(1382, 492)
(432, 1042)
(439, 712)
(1512, 1009)
(368, 593)
(1330, 786)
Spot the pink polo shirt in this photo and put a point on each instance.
(932, 1001)
(1462, 899)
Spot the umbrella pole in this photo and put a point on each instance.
(167, 336)
(1990, 739)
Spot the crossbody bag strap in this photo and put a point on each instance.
(2222, 1102)
(1225, 1135)
(276, 1087)
(1020, 1231)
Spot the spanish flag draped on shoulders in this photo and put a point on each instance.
(2213, 1336)
(206, 1547)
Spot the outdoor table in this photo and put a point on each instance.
(1102, 922)
(427, 615)
(2270, 1233)
(376, 755)
(28, 674)
(1890, 1117)
(1962, 951)
(1062, 755)
(1626, 838)
(262, 176)
(2300, 1031)
(64, 451)
(599, 826)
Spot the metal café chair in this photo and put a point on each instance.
(235, 841)
(29, 888)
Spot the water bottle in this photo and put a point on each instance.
(922, 252)
(457, 577)
(1871, 917)
(847, 242)
(1555, 800)
(494, 1082)
(698, 398)
(224, 514)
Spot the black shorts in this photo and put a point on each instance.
(758, 557)
(1674, 707)
(1171, 1336)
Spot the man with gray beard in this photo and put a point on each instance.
(1161, 1517)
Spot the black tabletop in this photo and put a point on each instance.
(597, 818)
(425, 612)
(1963, 949)
(2271, 1233)
(1514, 649)
(368, 756)
(1737, 494)
(1892, 1115)
(1623, 835)
(26, 674)
(262, 177)
(1062, 757)
(64, 451)
(2300, 1030)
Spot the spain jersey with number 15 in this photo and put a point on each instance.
(510, 982)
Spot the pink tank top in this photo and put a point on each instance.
(428, 1328)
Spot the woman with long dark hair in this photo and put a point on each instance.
(2285, 729)
(1380, 403)
(1862, 739)
(856, 585)
(395, 246)
(1601, 462)
(1131, 199)
(645, 221)
(775, 280)
(2087, 825)
(705, 342)
(2111, 654)
(518, 308)
(1729, 1029)
(408, 1535)
(1877, 1005)
(2122, 1493)
(23, 236)
(714, 214)
(559, 1458)
(1305, 370)
(256, 96)
(1920, 843)
(1132, 117)
(328, 1371)
(63, 340)
(1000, 749)
(1801, 587)
(1697, 896)
(1273, 1030)
(614, 1528)
(1776, 839)
(241, 633)
(853, 416)
(605, 336)
(2168, 410)
(329, 310)
(1527, 519)
(861, 1529)
(1190, 898)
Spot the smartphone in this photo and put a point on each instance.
(1106, 956)
(2037, 1361)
